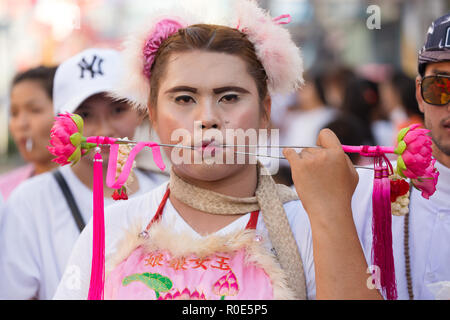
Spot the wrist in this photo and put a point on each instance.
(330, 217)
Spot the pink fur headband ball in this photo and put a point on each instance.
(163, 29)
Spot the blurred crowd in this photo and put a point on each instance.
(362, 108)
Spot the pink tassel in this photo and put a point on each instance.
(382, 253)
(98, 246)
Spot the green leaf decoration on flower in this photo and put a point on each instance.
(154, 281)
(402, 133)
(400, 147)
(401, 166)
(76, 139)
(78, 121)
(75, 156)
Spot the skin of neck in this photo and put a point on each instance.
(240, 184)
(43, 167)
(441, 156)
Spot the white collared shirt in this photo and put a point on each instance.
(429, 235)
(37, 232)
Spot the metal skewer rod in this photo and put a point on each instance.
(269, 146)
(236, 152)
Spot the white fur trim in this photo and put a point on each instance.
(274, 47)
(182, 244)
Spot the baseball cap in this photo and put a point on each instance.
(90, 72)
(437, 43)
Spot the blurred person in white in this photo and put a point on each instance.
(421, 238)
(1, 207)
(45, 215)
(30, 121)
(310, 113)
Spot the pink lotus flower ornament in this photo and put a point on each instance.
(414, 159)
(226, 286)
(68, 143)
(427, 183)
(186, 294)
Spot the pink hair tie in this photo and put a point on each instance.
(277, 19)
(162, 30)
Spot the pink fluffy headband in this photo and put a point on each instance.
(274, 47)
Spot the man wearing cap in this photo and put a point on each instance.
(428, 270)
(421, 238)
(44, 216)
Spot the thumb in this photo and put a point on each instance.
(328, 139)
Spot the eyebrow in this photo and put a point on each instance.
(181, 88)
(215, 90)
(437, 72)
(230, 88)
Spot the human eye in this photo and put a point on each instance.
(118, 109)
(230, 98)
(36, 110)
(85, 114)
(14, 113)
(184, 99)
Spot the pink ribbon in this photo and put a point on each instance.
(112, 164)
(277, 20)
(283, 16)
(113, 153)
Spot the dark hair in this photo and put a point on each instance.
(43, 75)
(361, 100)
(406, 88)
(317, 78)
(212, 38)
(340, 76)
(349, 130)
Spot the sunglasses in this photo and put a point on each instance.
(435, 90)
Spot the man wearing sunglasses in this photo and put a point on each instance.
(426, 256)
(421, 239)
(433, 87)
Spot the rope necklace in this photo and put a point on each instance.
(406, 249)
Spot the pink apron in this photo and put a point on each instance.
(222, 274)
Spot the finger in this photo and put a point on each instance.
(352, 168)
(290, 154)
(328, 139)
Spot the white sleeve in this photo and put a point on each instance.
(20, 258)
(301, 228)
(362, 211)
(74, 284)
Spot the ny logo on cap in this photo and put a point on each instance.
(447, 38)
(95, 67)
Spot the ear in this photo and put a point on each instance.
(419, 98)
(267, 108)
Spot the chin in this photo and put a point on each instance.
(208, 172)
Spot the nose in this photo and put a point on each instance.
(103, 127)
(208, 116)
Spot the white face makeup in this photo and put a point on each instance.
(210, 93)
